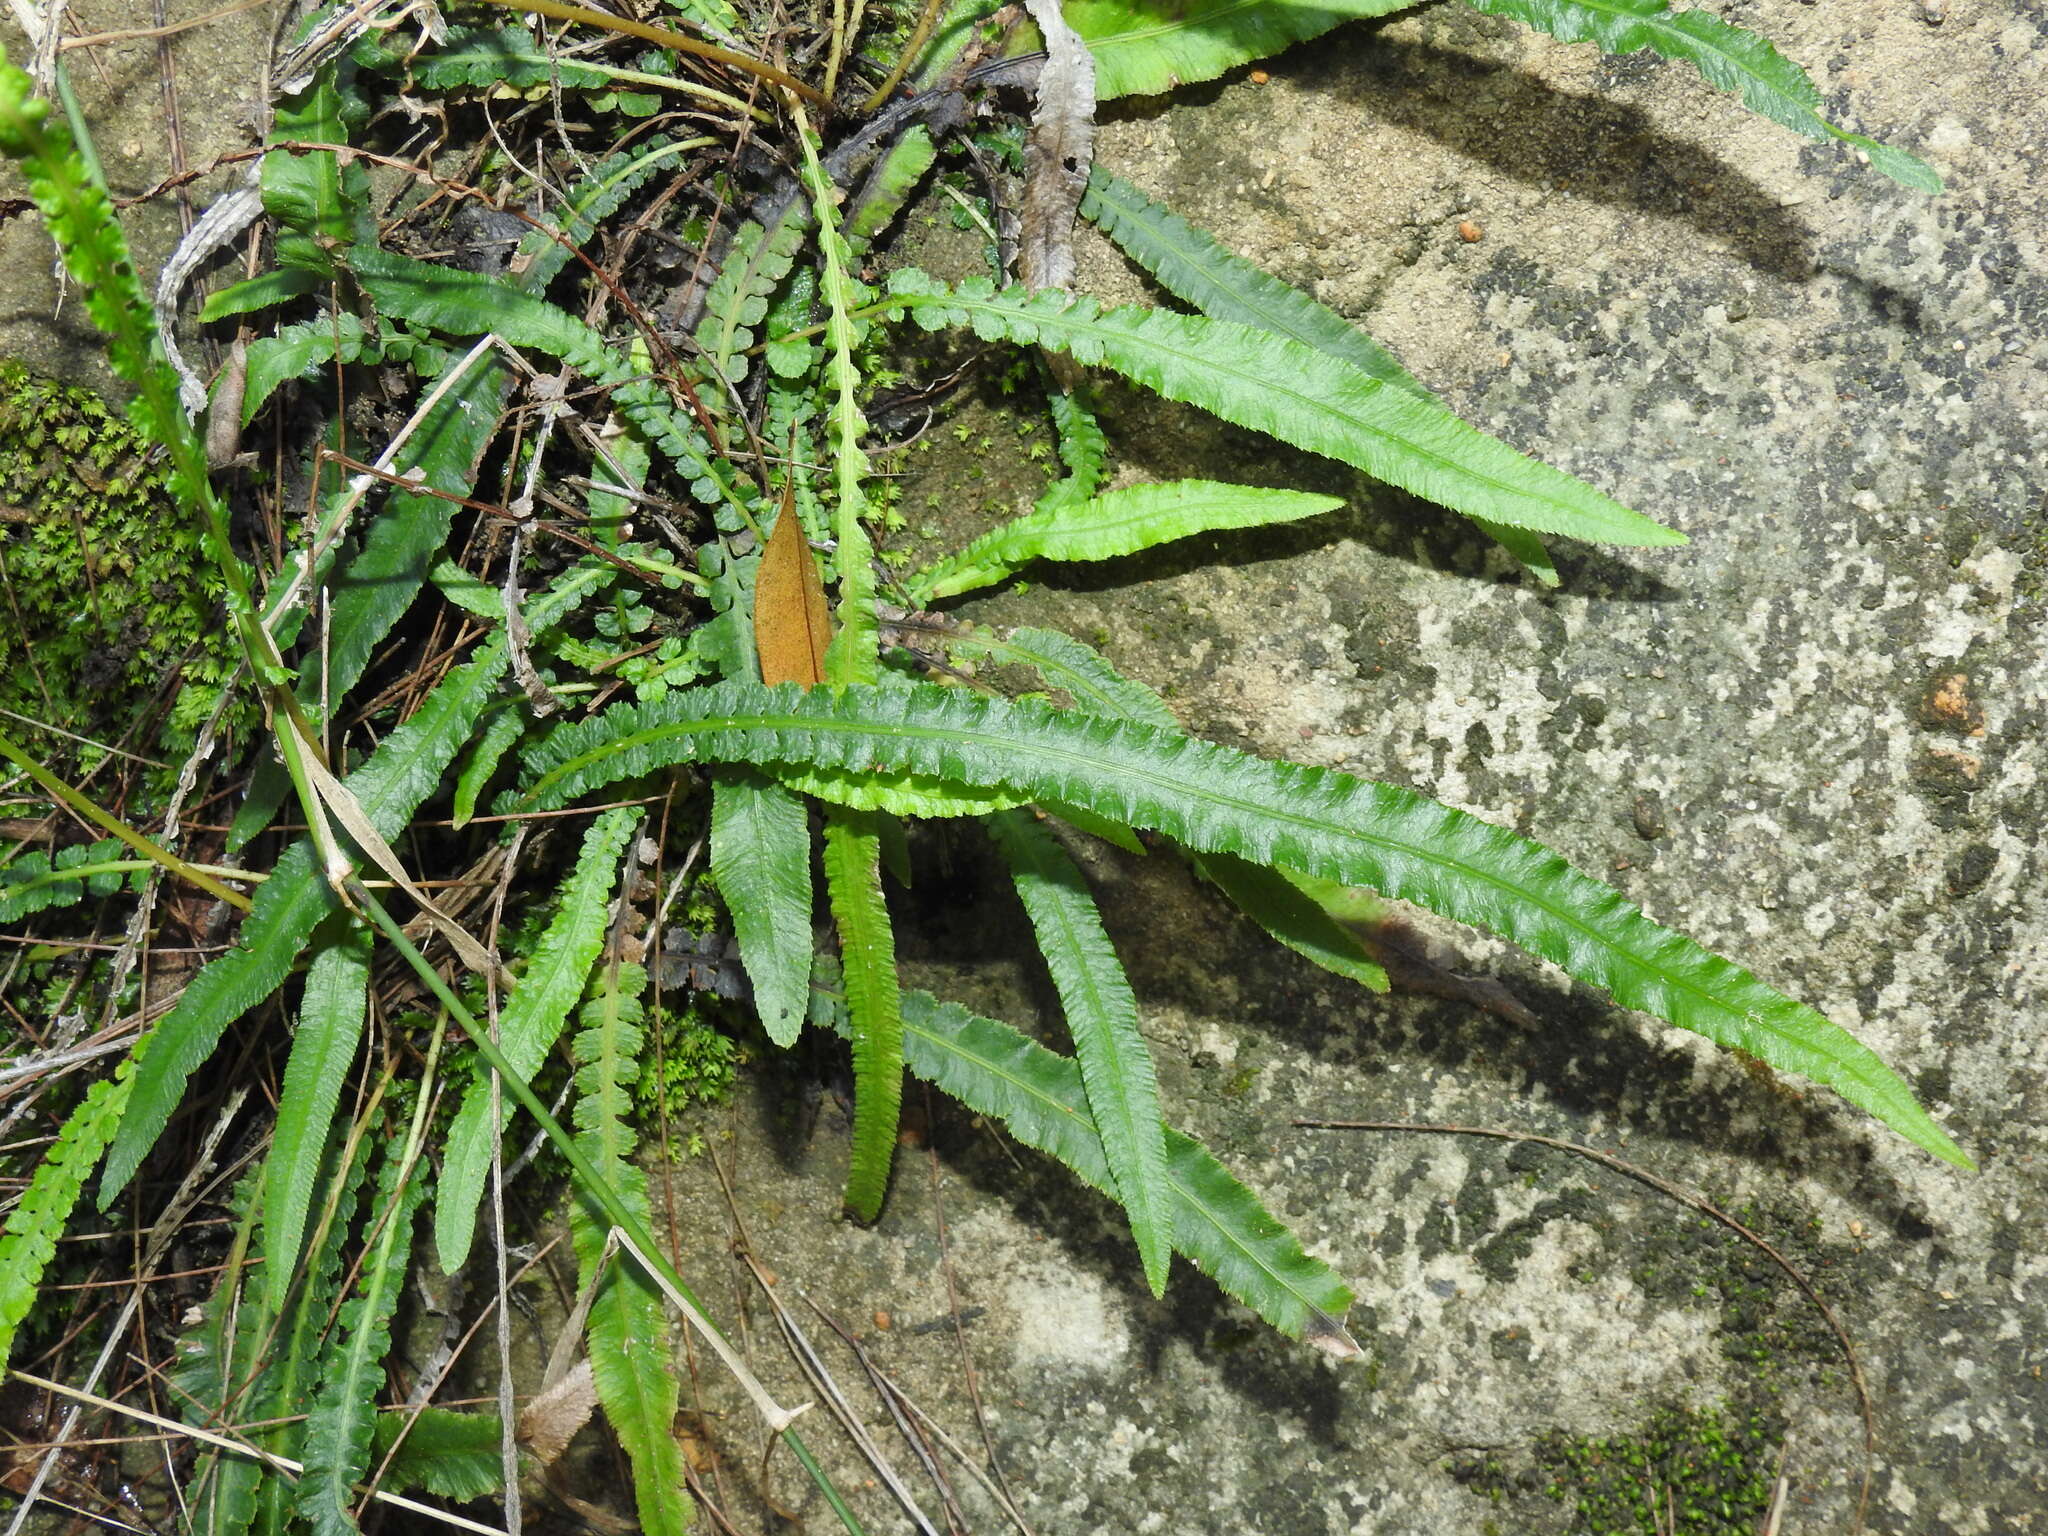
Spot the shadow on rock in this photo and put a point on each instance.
(1607, 150)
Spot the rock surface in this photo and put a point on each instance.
(1811, 738)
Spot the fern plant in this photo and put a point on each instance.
(679, 616)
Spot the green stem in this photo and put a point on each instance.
(589, 1181)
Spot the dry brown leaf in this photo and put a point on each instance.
(791, 622)
(1060, 150)
(551, 1417)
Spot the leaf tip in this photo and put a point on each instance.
(1325, 1333)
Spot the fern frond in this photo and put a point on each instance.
(1193, 265)
(1212, 798)
(293, 1370)
(528, 1027)
(213, 1369)
(851, 656)
(1146, 47)
(1290, 391)
(1082, 448)
(1725, 55)
(1271, 898)
(500, 731)
(1102, 1017)
(37, 881)
(761, 861)
(470, 304)
(542, 253)
(737, 302)
(295, 351)
(627, 1328)
(1039, 1096)
(319, 201)
(1112, 524)
(867, 947)
(448, 1454)
(29, 1240)
(330, 1028)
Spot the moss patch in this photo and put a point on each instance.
(108, 627)
(1685, 1472)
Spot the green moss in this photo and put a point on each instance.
(109, 619)
(691, 1062)
(1686, 1472)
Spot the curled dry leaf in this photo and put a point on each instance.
(1061, 149)
(550, 1419)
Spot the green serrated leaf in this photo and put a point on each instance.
(471, 304)
(1112, 524)
(761, 860)
(1289, 390)
(889, 186)
(867, 946)
(293, 1364)
(1102, 1016)
(850, 658)
(263, 291)
(1211, 798)
(627, 1328)
(29, 1241)
(294, 352)
(1144, 47)
(485, 753)
(1292, 916)
(1082, 448)
(529, 1025)
(1279, 901)
(738, 298)
(448, 1454)
(1217, 1223)
(1192, 265)
(330, 1028)
(1725, 55)
(35, 881)
(213, 1371)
